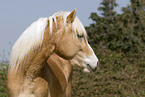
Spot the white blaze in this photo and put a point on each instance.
(92, 61)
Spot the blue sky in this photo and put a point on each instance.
(17, 15)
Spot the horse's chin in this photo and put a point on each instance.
(86, 70)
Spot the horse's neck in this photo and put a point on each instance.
(40, 59)
(35, 62)
(62, 70)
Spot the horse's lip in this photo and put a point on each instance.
(90, 68)
(86, 70)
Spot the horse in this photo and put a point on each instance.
(63, 34)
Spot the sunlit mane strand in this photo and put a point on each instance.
(32, 37)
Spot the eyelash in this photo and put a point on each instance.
(80, 36)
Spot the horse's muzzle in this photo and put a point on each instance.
(92, 69)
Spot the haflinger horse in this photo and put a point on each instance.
(62, 34)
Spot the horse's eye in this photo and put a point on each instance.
(80, 36)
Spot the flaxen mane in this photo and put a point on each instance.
(32, 37)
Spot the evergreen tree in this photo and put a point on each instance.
(108, 8)
(125, 32)
(133, 21)
(102, 31)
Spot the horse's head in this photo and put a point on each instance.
(73, 44)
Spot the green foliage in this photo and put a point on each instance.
(133, 21)
(108, 7)
(118, 75)
(3, 78)
(122, 33)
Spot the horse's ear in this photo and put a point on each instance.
(71, 16)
